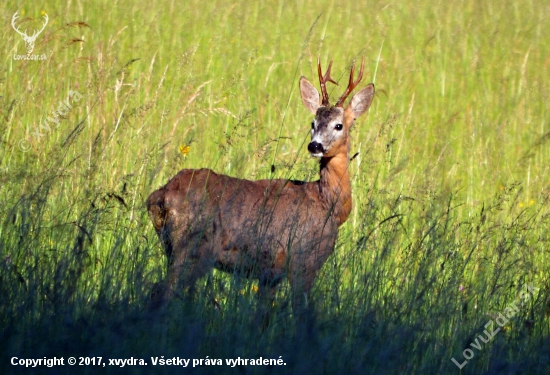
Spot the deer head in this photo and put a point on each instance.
(29, 40)
(331, 126)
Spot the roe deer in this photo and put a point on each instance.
(267, 228)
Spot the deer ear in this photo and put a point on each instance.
(310, 95)
(361, 101)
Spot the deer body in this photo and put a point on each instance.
(255, 228)
(264, 229)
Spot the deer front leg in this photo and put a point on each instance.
(304, 267)
(301, 280)
(267, 289)
(266, 296)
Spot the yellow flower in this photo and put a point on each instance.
(43, 12)
(531, 202)
(184, 149)
(521, 204)
(253, 288)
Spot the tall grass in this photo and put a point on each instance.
(451, 210)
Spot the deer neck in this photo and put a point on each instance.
(335, 186)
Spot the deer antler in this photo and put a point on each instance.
(352, 84)
(324, 79)
(13, 19)
(43, 26)
(24, 35)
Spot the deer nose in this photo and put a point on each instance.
(315, 148)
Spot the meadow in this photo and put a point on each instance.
(450, 222)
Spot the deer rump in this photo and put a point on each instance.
(262, 229)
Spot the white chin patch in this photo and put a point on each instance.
(317, 155)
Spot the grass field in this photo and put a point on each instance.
(451, 190)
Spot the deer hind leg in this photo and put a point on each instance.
(185, 242)
(187, 268)
(191, 258)
(182, 276)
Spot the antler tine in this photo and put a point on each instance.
(323, 79)
(352, 84)
(45, 23)
(37, 32)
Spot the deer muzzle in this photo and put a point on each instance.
(316, 149)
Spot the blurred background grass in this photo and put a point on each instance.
(450, 187)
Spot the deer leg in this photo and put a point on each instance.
(186, 270)
(185, 267)
(266, 295)
(303, 309)
(163, 292)
(301, 280)
(187, 240)
(304, 267)
(300, 294)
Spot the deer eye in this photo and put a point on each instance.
(339, 127)
(313, 124)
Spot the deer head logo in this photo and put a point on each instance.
(29, 40)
